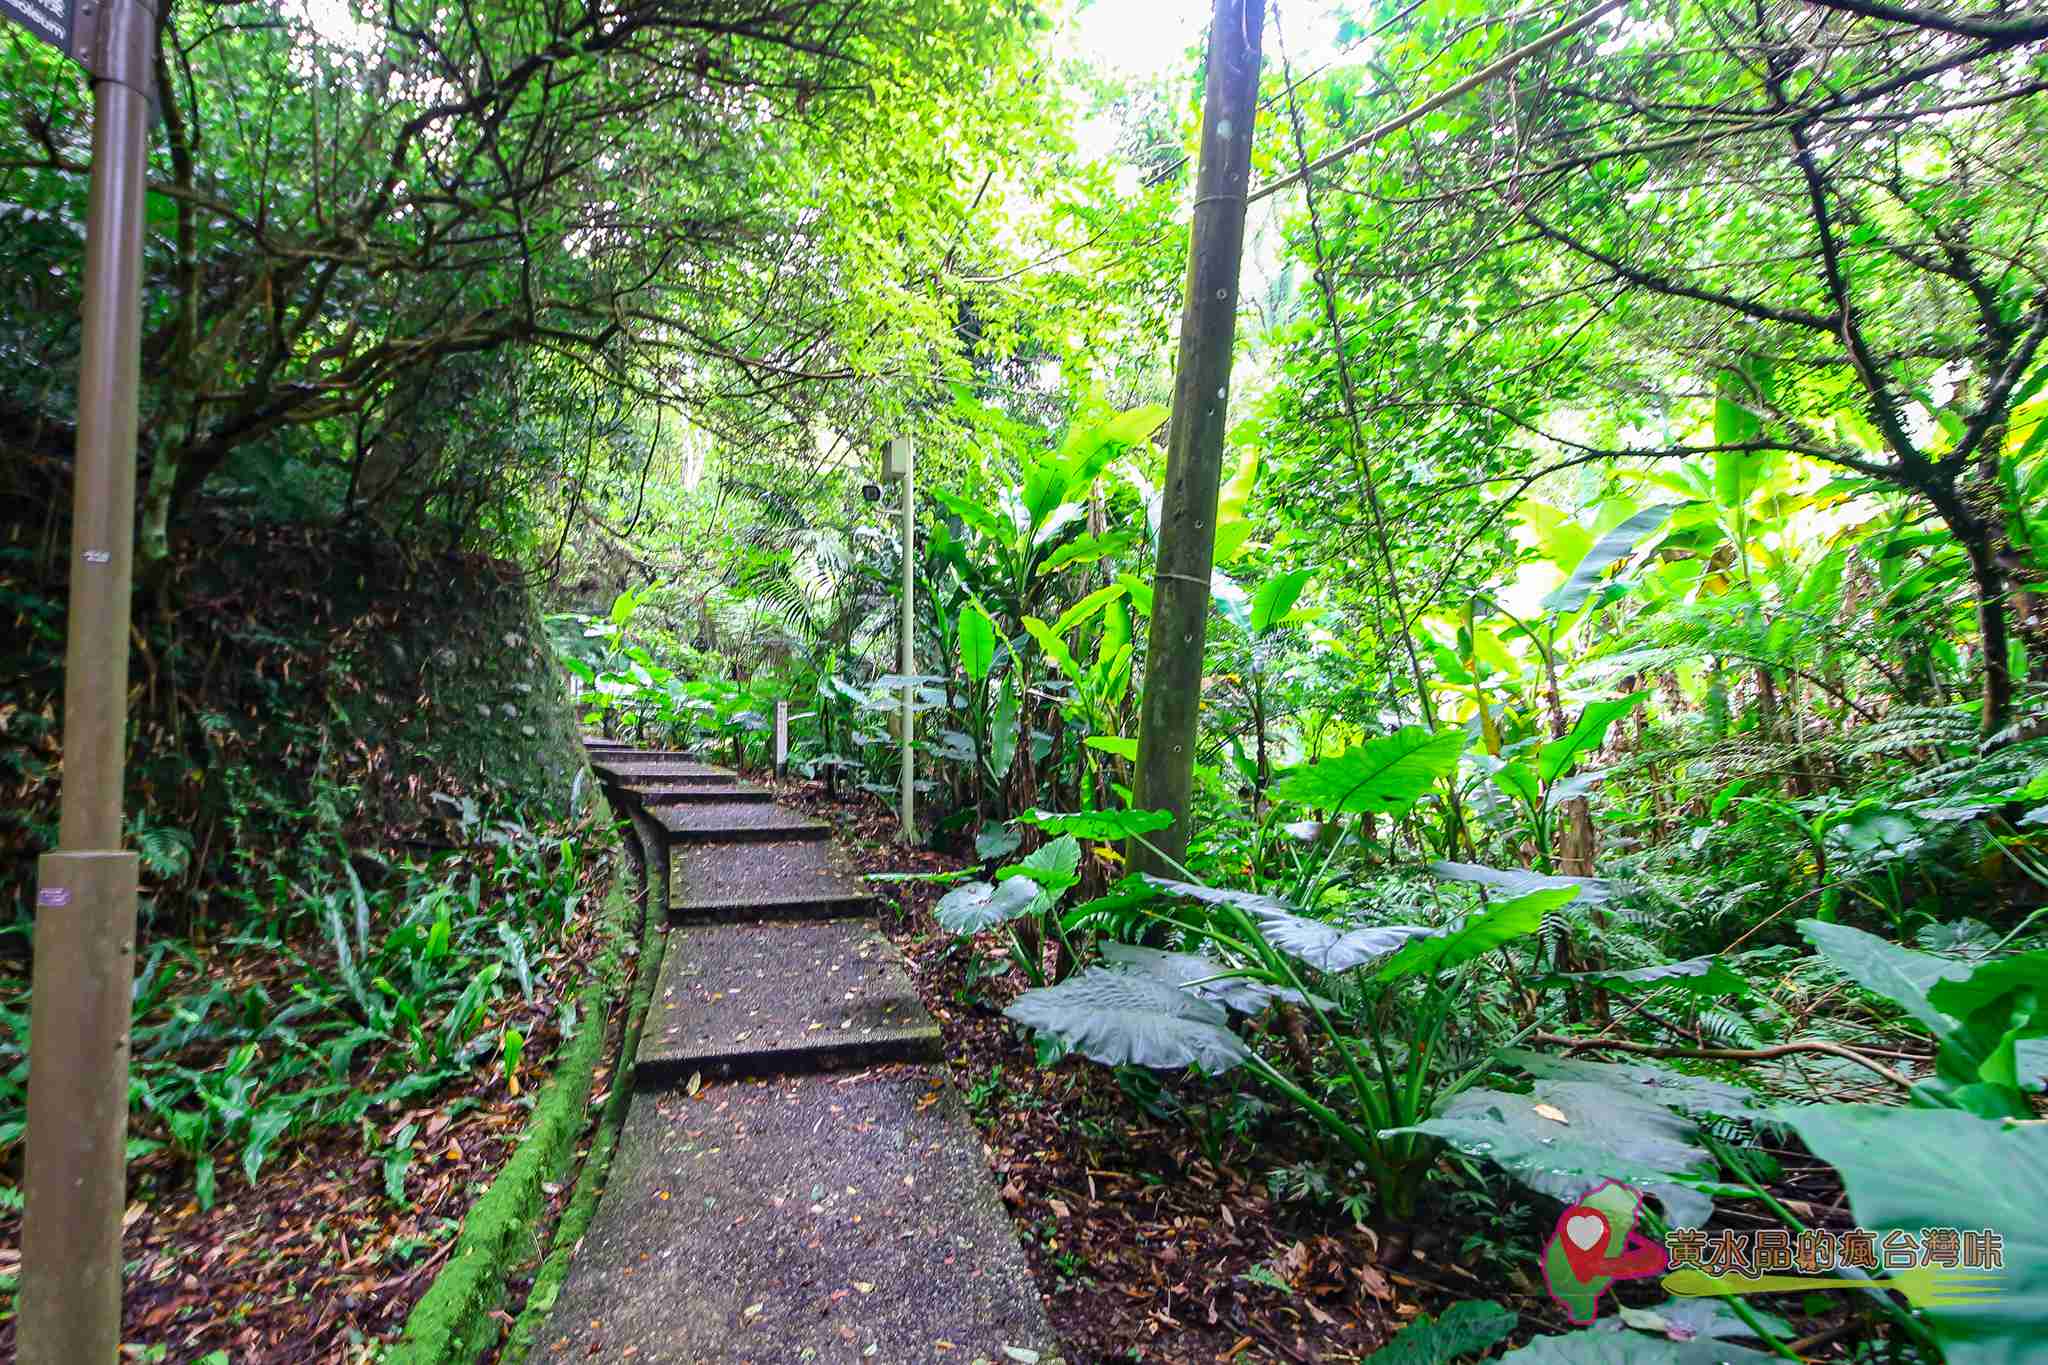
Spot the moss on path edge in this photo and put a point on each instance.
(453, 1323)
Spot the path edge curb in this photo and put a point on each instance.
(590, 1181)
(452, 1324)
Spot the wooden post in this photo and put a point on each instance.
(1194, 446)
(782, 738)
(84, 974)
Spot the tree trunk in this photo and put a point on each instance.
(1979, 530)
(1194, 447)
(1996, 644)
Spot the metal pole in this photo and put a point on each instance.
(85, 902)
(909, 632)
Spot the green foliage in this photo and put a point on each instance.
(1464, 1329)
(1389, 774)
(1920, 1169)
(396, 1002)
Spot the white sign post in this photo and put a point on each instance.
(898, 462)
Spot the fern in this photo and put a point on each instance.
(165, 852)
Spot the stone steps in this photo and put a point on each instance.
(795, 1180)
(659, 768)
(839, 1220)
(737, 822)
(663, 792)
(782, 881)
(771, 998)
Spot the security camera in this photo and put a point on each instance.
(871, 490)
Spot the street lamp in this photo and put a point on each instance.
(898, 460)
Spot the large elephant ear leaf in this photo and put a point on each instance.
(1597, 1347)
(976, 906)
(1901, 975)
(1331, 948)
(1517, 881)
(1055, 867)
(1916, 1169)
(1480, 933)
(1121, 1017)
(1385, 775)
(1251, 902)
(1672, 1089)
(1204, 976)
(1566, 1137)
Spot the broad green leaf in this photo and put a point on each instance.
(976, 906)
(1705, 977)
(1469, 1328)
(977, 641)
(1202, 976)
(1054, 866)
(1055, 648)
(266, 1125)
(1960, 997)
(1517, 777)
(1597, 1347)
(1116, 626)
(1559, 538)
(1090, 446)
(1607, 1134)
(1082, 611)
(982, 519)
(1119, 1018)
(1901, 975)
(997, 841)
(1331, 948)
(1276, 597)
(1672, 1089)
(1615, 545)
(1233, 526)
(1480, 933)
(1098, 824)
(1386, 775)
(1520, 882)
(1114, 744)
(1556, 757)
(1140, 591)
(1045, 488)
(1941, 1168)
(1088, 549)
(1251, 902)
(1003, 729)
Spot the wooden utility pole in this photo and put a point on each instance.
(1194, 443)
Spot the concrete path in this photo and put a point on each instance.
(795, 1182)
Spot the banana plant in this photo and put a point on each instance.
(1016, 554)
